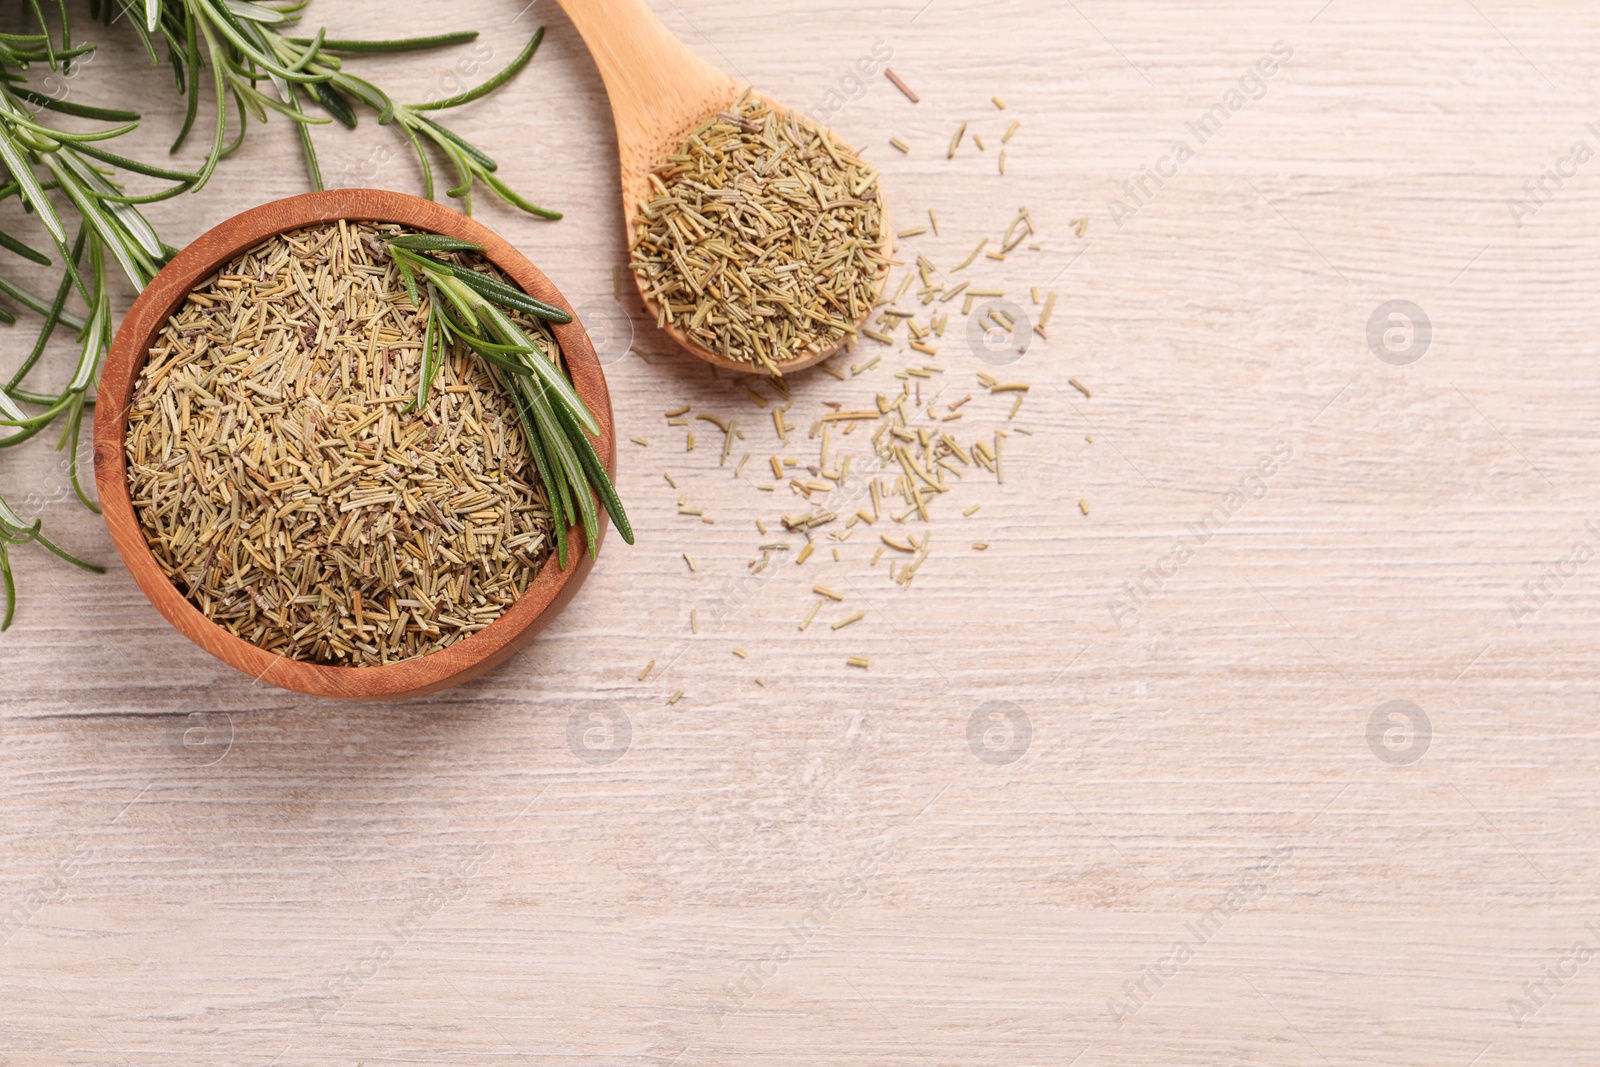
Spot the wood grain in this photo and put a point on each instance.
(464, 881)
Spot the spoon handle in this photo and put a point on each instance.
(658, 88)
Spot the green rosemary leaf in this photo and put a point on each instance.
(493, 83)
(220, 87)
(335, 104)
(51, 318)
(573, 471)
(31, 192)
(541, 460)
(459, 295)
(74, 560)
(126, 216)
(404, 44)
(506, 296)
(422, 160)
(66, 107)
(437, 131)
(308, 150)
(11, 589)
(428, 363)
(411, 283)
(13, 529)
(433, 242)
(49, 45)
(96, 339)
(29, 397)
(152, 198)
(515, 199)
(561, 459)
(25, 251)
(13, 415)
(311, 52)
(494, 289)
(37, 305)
(261, 100)
(75, 424)
(599, 479)
(551, 375)
(491, 353)
(464, 172)
(152, 15)
(91, 135)
(248, 42)
(73, 53)
(254, 12)
(191, 84)
(244, 125)
(135, 166)
(367, 93)
(479, 344)
(144, 38)
(128, 255)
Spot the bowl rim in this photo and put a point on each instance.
(471, 656)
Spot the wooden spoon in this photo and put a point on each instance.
(660, 91)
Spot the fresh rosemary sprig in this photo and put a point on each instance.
(242, 44)
(69, 181)
(468, 306)
(14, 531)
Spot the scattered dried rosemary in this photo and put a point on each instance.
(290, 484)
(764, 240)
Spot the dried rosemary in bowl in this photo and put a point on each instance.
(325, 466)
(764, 240)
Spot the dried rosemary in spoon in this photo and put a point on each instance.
(764, 241)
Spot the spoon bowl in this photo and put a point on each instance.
(660, 92)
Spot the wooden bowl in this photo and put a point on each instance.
(467, 658)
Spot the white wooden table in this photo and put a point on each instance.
(825, 870)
